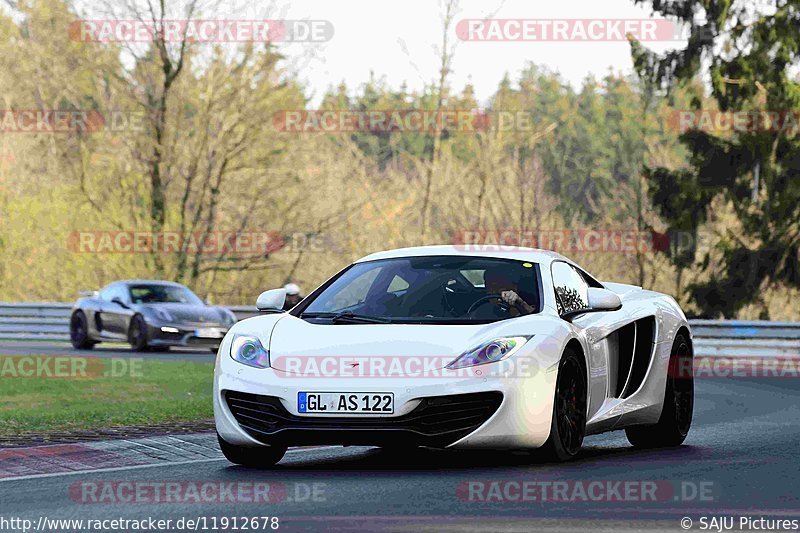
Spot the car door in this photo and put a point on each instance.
(116, 311)
(598, 329)
(104, 308)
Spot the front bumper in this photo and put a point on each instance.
(186, 335)
(435, 422)
(254, 407)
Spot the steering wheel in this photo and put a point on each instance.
(495, 299)
(456, 285)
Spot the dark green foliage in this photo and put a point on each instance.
(749, 53)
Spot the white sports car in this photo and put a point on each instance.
(441, 346)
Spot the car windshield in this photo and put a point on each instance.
(446, 289)
(148, 294)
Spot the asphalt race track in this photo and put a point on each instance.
(741, 459)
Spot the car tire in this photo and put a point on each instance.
(79, 332)
(258, 457)
(568, 423)
(137, 334)
(676, 415)
(214, 350)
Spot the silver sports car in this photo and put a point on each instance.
(147, 314)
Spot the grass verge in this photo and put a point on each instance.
(45, 394)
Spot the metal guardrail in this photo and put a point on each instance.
(49, 321)
(746, 338)
(46, 321)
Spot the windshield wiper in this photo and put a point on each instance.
(344, 317)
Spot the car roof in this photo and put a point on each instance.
(146, 282)
(534, 255)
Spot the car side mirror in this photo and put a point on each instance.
(598, 300)
(603, 299)
(271, 301)
(117, 300)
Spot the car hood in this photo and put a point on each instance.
(188, 313)
(294, 339)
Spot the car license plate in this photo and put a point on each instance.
(209, 333)
(346, 402)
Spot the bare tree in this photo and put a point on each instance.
(445, 61)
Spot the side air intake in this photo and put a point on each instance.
(643, 344)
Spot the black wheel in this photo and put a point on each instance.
(568, 425)
(137, 334)
(79, 332)
(676, 415)
(259, 457)
(214, 350)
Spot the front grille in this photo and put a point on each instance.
(202, 341)
(437, 421)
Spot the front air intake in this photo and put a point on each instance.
(437, 421)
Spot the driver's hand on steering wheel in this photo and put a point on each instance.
(512, 298)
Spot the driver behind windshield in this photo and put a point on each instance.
(497, 282)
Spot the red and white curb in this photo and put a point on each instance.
(17, 463)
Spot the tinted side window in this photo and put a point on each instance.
(122, 292)
(570, 288)
(398, 284)
(107, 292)
(590, 281)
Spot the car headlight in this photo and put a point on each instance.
(248, 350)
(490, 352)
